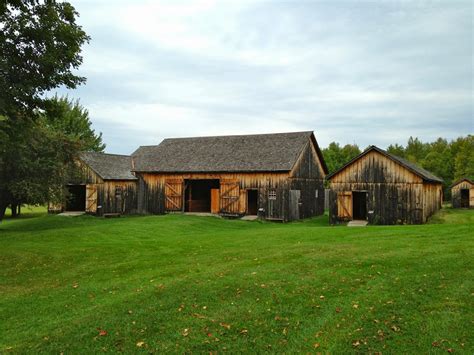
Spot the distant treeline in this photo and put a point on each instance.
(449, 160)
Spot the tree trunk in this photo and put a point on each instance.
(3, 208)
(19, 209)
(14, 208)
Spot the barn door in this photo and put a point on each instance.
(174, 195)
(294, 212)
(344, 205)
(229, 196)
(91, 198)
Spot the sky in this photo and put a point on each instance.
(363, 72)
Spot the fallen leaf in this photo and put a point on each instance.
(75, 285)
(244, 331)
(225, 325)
(209, 334)
(338, 310)
(450, 350)
(185, 332)
(355, 343)
(140, 344)
(435, 344)
(355, 306)
(316, 345)
(395, 328)
(102, 332)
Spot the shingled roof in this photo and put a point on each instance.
(109, 166)
(462, 180)
(240, 153)
(424, 174)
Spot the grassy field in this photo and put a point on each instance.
(198, 284)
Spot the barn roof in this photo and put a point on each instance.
(239, 153)
(109, 166)
(461, 180)
(424, 174)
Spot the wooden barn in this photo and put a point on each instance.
(462, 193)
(383, 189)
(108, 185)
(278, 176)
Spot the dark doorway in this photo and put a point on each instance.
(359, 205)
(464, 198)
(197, 196)
(252, 202)
(76, 199)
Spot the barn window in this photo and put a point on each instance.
(118, 191)
(272, 195)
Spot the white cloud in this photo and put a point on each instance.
(367, 73)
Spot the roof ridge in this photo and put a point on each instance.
(236, 135)
(103, 153)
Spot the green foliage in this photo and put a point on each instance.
(187, 284)
(70, 119)
(335, 156)
(38, 155)
(40, 44)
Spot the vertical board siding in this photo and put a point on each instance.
(456, 193)
(395, 195)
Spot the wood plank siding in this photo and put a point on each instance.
(462, 194)
(391, 193)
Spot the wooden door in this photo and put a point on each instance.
(91, 198)
(174, 195)
(214, 200)
(229, 196)
(344, 205)
(294, 205)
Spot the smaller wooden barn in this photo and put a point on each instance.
(107, 185)
(462, 193)
(383, 189)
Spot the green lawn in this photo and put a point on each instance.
(198, 284)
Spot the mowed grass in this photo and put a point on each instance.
(179, 283)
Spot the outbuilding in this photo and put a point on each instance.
(383, 189)
(278, 176)
(107, 185)
(462, 193)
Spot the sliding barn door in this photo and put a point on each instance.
(344, 205)
(229, 196)
(91, 198)
(174, 195)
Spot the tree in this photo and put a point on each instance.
(40, 44)
(396, 149)
(46, 151)
(72, 120)
(335, 156)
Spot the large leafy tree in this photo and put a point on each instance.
(40, 46)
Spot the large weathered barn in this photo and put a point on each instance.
(462, 193)
(279, 176)
(107, 185)
(384, 189)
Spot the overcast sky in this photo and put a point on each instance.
(354, 72)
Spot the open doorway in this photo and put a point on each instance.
(359, 205)
(197, 196)
(464, 198)
(76, 199)
(252, 202)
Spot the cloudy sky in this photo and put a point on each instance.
(354, 72)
